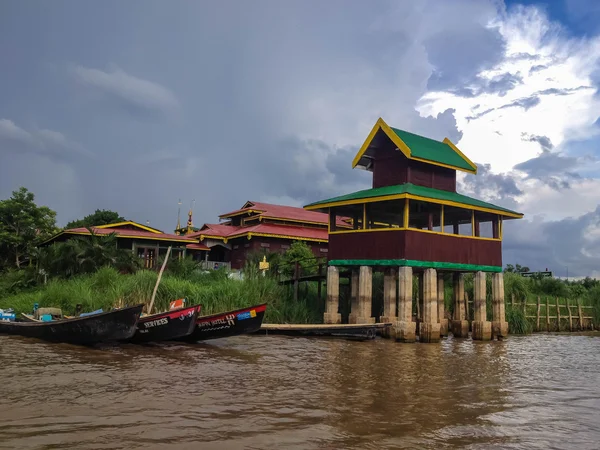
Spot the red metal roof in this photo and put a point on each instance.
(130, 233)
(285, 212)
(284, 230)
(228, 231)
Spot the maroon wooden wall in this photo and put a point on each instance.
(392, 168)
(415, 245)
(240, 247)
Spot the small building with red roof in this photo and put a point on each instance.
(146, 242)
(261, 226)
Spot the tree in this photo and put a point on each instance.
(299, 252)
(22, 225)
(97, 218)
(516, 269)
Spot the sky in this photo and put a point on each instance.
(131, 106)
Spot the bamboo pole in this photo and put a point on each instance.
(162, 269)
(525, 306)
(580, 315)
(537, 328)
(547, 314)
(570, 316)
(557, 315)
(512, 300)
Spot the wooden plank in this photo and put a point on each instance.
(579, 310)
(547, 314)
(537, 328)
(570, 316)
(558, 314)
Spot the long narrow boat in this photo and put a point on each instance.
(166, 326)
(227, 324)
(110, 326)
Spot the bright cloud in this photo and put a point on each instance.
(551, 95)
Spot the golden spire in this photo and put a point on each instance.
(190, 222)
(178, 215)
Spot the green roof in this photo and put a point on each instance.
(412, 189)
(432, 150)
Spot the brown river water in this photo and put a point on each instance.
(274, 392)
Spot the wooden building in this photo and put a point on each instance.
(412, 220)
(260, 226)
(146, 242)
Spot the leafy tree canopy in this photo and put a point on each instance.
(299, 252)
(22, 225)
(98, 217)
(516, 268)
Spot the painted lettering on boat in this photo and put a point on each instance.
(224, 321)
(157, 322)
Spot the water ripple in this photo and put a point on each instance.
(270, 392)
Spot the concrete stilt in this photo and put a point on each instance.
(354, 309)
(332, 302)
(429, 329)
(482, 329)
(365, 295)
(389, 298)
(460, 325)
(405, 329)
(499, 323)
(442, 307)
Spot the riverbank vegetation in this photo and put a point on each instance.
(93, 272)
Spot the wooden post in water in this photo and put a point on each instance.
(162, 269)
(570, 316)
(537, 328)
(580, 311)
(557, 315)
(547, 314)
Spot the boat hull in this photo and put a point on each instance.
(110, 326)
(166, 326)
(231, 323)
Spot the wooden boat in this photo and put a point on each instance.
(110, 326)
(227, 324)
(166, 326)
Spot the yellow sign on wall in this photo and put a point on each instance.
(263, 265)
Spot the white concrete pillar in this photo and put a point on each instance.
(460, 325)
(442, 306)
(429, 329)
(332, 302)
(499, 323)
(405, 329)
(482, 329)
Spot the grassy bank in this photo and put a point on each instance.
(107, 288)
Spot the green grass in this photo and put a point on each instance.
(107, 288)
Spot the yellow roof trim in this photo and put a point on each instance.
(129, 222)
(384, 198)
(405, 149)
(281, 236)
(120, 235)
(449, 143)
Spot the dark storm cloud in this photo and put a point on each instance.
(553, 169)
(555, 245)
(544, 141)
(537, 68)
(525, 103)
(41, 142)
(454, 66)
(499, 187)
(500, 85)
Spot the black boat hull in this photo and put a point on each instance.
(227, 324)
(166, 326)
(110, 326)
